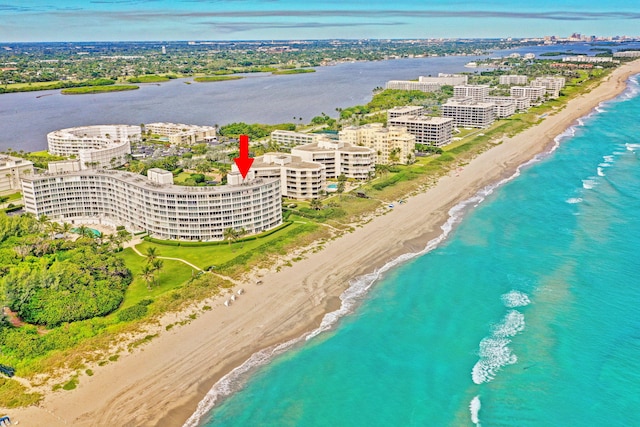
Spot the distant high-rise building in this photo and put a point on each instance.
(164, 50)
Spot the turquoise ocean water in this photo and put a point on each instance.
(527, 314)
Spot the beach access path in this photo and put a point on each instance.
(163, 381)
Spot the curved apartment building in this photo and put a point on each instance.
(96, 147)
(154, 204)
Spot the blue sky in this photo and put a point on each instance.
(97, 20)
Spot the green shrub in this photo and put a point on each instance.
(132, 313)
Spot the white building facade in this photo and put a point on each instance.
(154, 205)
(513, 79)
(339, 158)
(96, 147)
(535, 95)
(436, 131)
(474, 115)
(12, 169)
(391, 145)
(477, 93)
(178, 133)
(290, 138)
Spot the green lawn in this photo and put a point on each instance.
(150, 78)
(172, 275)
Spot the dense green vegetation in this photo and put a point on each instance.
(255, 131)
(52, 281)
(151, 78)
(295, 71)
(40, 159)
(207, 79)
(97, 89)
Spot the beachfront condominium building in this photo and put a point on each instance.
(153, 204)
(445, 79)
(11, 170)
(299, 179)
(428, 83)
(413, 85)
(407, 110)
(339, 158)
(513, 79)
(520, 103)
(291, 138)
(435, 131)
(391, 145)
(476, 92)
(552, 84)
(469, 114)
(627, 54)
(535, 95)
(504, 108)
(96, 147)
(178, 133)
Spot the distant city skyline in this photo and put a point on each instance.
(120, 20)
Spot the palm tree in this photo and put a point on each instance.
(65, 229)
(156, 266)
(152, 254)
(315, 204)
(230, 234)
(147, 274)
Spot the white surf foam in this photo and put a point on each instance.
(608, 159)
(600, 172)
(588, 184)
(515, 299)
(574, 200)
(474, 408)
(510, 326)
(632, 147)
(494, 354)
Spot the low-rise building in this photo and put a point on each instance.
(413, 85)
(299, 179)
(466, 114)
(339, 158)
(436, 131)
(585, 58)
(96, 147)
(153, 204)
(178, 133)
(627, 54)
(407, 110)
(445, 79)
(391, 145)
(291, 138)
(12, 169)
(535, 95)
(521, 103)
(513, 79)
(504, 108)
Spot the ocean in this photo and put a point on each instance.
(523, 313)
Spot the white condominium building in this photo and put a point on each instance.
(504, 108)
(627, 54)
(154, 204)
(521, 103)
(445, 79)
(413, 85)
(391, 145)
(299, 179)
(11, 170)
(178, 133)
(339, 158)
(475, 115)
(552, 84)
(96, 147)
(513, 80)
(476, 92)
(436, 131)
(407, 110)
(288, 137)
(534, 94)
(585, 58)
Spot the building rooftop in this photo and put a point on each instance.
(276, 160)
(423, 119)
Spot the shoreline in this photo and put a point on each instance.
(165, 380)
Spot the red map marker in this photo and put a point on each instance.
(244, 162)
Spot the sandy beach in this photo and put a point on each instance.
(162, 382)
